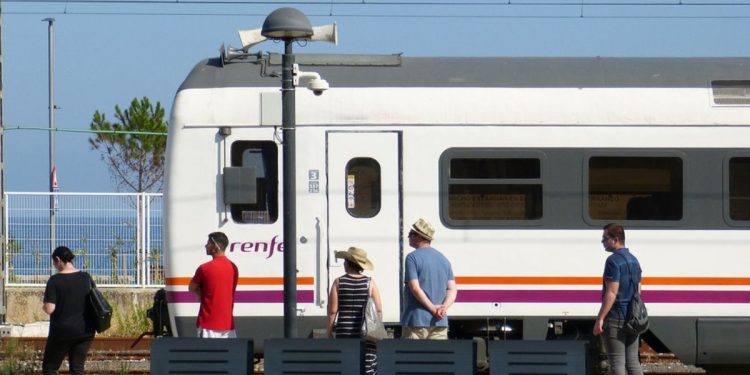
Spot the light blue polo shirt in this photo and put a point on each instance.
(433, 270)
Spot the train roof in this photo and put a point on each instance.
(521, 72)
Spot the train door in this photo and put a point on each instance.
(364, 207)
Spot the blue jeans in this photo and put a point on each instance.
(622, 349)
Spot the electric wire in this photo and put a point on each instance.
(70, 130)
(388, 3)
(404, 16)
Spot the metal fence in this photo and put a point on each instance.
(116, 237)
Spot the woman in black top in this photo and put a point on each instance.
(346, 303)
(71, 329)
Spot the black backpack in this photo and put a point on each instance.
(636, 321)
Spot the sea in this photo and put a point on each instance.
(107, 241)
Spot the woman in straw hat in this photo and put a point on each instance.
(347, 300)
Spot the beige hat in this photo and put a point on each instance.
(424, 229)
(356, 256)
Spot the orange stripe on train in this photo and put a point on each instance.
(512, 280)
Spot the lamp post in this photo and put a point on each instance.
(288, 24)
(52, 171)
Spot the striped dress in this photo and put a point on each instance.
(353, 293)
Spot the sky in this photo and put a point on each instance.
(108, 52)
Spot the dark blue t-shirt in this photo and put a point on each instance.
(616, 269)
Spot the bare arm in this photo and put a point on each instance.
(610, 295)
(450, 298)
(48, 308)
(195, 288)
(333, 307)
(375, 294)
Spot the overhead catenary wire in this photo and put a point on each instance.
(723, 9)
(389, 3)
(69, 130)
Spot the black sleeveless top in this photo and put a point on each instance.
(353, 293)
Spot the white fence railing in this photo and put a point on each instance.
(116, 237)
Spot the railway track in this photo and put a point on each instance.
(131, 356)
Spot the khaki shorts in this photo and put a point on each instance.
(424, 333)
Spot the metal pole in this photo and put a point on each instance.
(2, 182)
(290, 205)
(52, 171)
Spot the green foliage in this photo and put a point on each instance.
(123, 369)
(82, 253)
(135, 160)
(157, 268)
(129, 321)
(17, 359)
(13, 249)
(114, 253)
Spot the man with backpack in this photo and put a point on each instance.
(622, 279)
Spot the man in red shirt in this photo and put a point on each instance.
(215, 283)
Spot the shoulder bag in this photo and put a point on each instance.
(636, 320)
(99, 308)
(372, 326)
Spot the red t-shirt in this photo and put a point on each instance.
(218, 281)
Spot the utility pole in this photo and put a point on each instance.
(2, 181)
(52, 171)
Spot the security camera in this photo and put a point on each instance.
(318, 85)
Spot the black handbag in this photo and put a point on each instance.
(636, 321)
(99, 308)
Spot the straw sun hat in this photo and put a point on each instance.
(424, 229)
(356, 256)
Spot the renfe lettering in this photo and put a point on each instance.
(258, 247)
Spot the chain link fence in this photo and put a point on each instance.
(116, 237)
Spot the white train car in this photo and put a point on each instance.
(518, 162)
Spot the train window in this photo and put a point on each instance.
(731, 92)
(363, 187)
(490, 187)
(635, 188)
(739, 188)
(263, 156)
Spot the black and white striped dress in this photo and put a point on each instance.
(353, 293)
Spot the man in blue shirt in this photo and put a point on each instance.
(617, 291)
(430, 287)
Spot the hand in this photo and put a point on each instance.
(598, 327)
(440, 312)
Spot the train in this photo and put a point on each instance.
(517, 161)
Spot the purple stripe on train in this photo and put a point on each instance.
(593, 296)
(247, 296)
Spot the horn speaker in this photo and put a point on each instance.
(326, 33)
(250, 38)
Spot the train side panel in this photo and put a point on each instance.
(525, 248)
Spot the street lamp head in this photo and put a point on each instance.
(287, 23)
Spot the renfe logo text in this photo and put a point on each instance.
(258, 247)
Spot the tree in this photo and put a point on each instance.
(134, 146)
